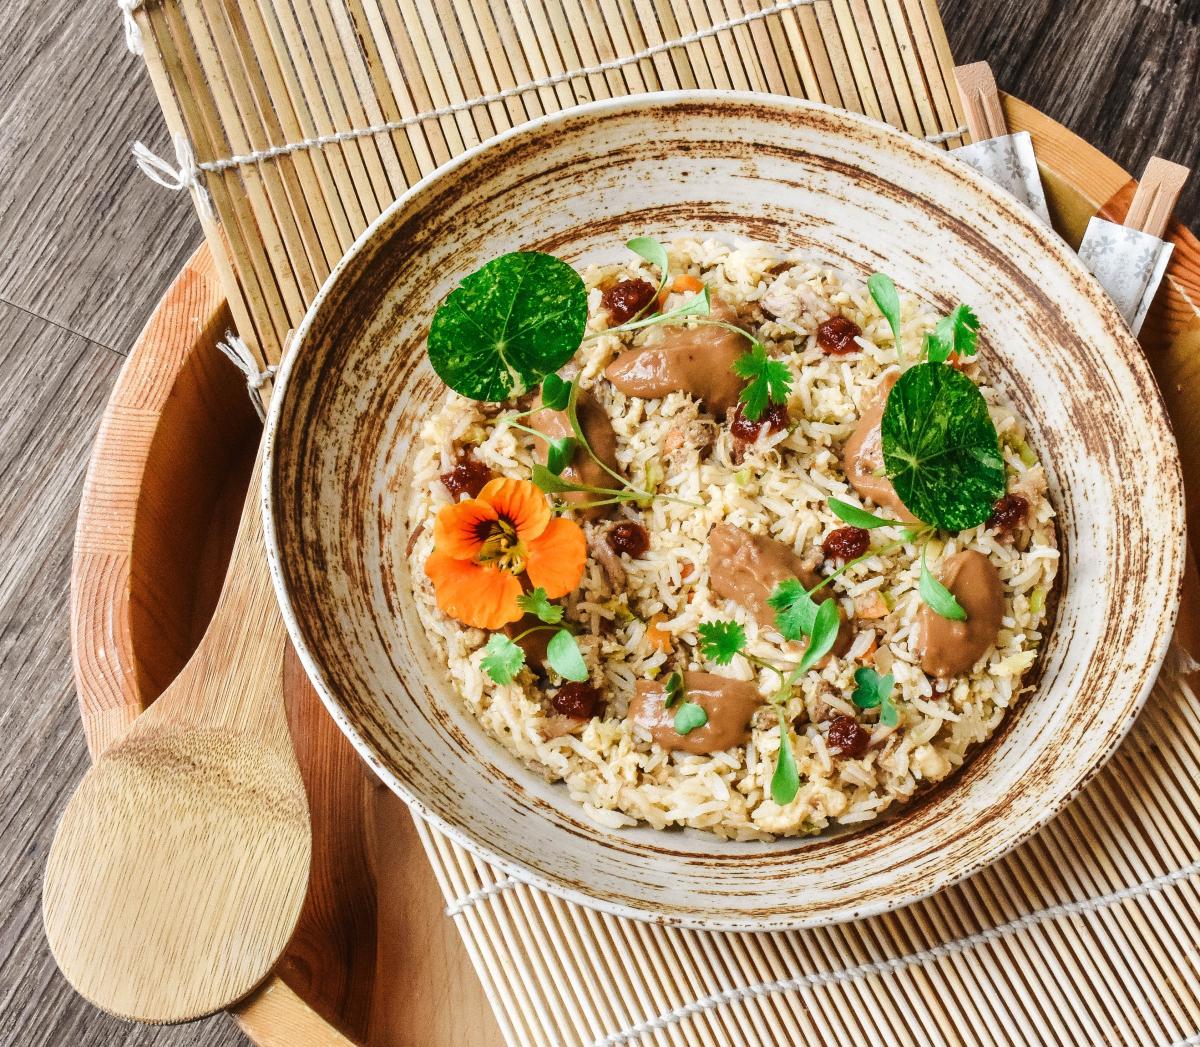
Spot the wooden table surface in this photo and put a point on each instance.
(88, 245)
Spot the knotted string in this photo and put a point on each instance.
(133, 35)
(184, 176)
(239, 352)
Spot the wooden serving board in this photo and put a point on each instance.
(374, 960)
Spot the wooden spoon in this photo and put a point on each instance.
(180, 866)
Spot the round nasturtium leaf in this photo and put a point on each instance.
(507, 325)
(940, 448)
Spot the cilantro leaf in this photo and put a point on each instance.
(508, 325)
(884, 292)
(940, 448)
(559, 453)
(872, 689)
(720, 641)
(688, 717)
(857, 517)
(937, 597)
(795, 611)
(956, 333)
(676, 691)
(502, 659)
(768, 381)
(537, 603)
(556, 392)
(562, 655)
(824, 633)
(785, 782)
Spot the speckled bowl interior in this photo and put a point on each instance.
(357, 386)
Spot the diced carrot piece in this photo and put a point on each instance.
(680, 285)
(870, 606)
(659, 638)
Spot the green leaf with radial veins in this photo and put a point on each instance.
(507, 325)
(940, 448)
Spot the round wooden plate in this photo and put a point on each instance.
(373, 960)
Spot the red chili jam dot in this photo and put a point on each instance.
(836, 336)
(847, 738)
(628, 537)
(846, 543)
(579, 701)
(775, 419)
(626, 299)
(469, 474)
(1008, 514)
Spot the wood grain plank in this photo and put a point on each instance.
(85, 239)
(54, 387)
(1123, 74)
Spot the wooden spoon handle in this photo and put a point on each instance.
(232, 681)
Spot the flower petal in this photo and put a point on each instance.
(456, 529)
(556, 558)
(521, 503)
(478, 596)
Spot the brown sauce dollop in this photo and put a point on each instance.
(862, 457)
(729, 705)
(746, 568)
(835, 336)
(624, 300)
(949, 648)
(469, 475)
(697, 360)
(598, 430)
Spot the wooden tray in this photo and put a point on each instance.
(374, 961)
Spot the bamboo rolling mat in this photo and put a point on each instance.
(1086, 935)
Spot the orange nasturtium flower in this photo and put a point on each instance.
(483, 545)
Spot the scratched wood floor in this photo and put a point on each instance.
(87, 246)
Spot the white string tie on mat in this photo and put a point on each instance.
(924, 956)
(461, 905)
(133, 35)
(185, 176)
(239, 353)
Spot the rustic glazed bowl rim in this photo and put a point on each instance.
(517, 870)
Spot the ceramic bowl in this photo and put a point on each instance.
(352, 396)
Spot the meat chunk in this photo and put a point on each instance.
(746, 568)
(698, 435)
(696, 360)
(950, 648)
(609, 561)
(862, 457)
(729, 704)
(598, 431)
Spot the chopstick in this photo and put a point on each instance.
(1156, 196)
(981, 101)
